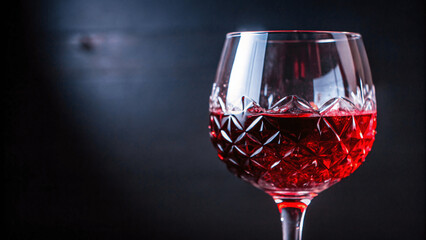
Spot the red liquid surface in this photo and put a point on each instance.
(284, 153)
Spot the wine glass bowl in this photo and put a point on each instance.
(292, 113)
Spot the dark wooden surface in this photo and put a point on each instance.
(107, 115)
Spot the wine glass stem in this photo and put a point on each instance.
(292, 215)
(292, 222)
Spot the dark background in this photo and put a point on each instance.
(107, 113)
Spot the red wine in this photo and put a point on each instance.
(288, 153)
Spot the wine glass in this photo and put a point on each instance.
(292, 113)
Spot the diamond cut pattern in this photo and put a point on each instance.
(361, 100)
(276, 153)
(292, 104)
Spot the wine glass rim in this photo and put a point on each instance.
(339, 34)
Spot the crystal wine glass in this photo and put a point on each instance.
(292, 113)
